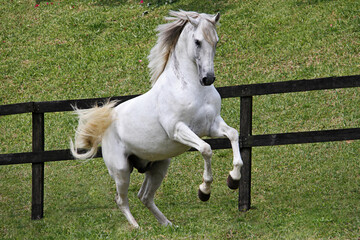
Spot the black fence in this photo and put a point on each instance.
(245, 92)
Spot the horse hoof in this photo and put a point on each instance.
(232, 184)
(202, 196)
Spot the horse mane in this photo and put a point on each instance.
(168, 35)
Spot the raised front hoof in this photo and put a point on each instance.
(232, 184)
(202, 196)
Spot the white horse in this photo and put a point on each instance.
(181, 107)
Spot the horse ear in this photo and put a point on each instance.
(193, 21)
(216, 18)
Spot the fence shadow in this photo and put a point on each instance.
(151, 3)
(210, 6)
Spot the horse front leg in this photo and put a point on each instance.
(221, 129)
(186, 136)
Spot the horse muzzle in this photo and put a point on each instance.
(208, 80)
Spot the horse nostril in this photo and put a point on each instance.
(204, 80)
(208, 80)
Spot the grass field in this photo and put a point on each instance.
(84, 49)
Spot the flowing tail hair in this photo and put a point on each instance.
(93, 123)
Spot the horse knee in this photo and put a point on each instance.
(233, 134)
(206, 151)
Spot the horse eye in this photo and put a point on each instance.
(197, 43)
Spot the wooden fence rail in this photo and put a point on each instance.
(245, 92)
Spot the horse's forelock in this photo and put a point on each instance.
(209, 32)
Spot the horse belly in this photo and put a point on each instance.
(142, 135)
(156, 150)
(152, 145)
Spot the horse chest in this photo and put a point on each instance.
(200, 113)
(197, 107)
(202, 119)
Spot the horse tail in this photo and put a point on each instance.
(93, 123)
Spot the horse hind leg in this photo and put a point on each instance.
(122, 180)
(119, 169)
(153, 179)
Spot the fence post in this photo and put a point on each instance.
(245, 132)
(37, 205)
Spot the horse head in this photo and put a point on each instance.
(201, 42)
(195, 35)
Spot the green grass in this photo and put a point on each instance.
(87, 49)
